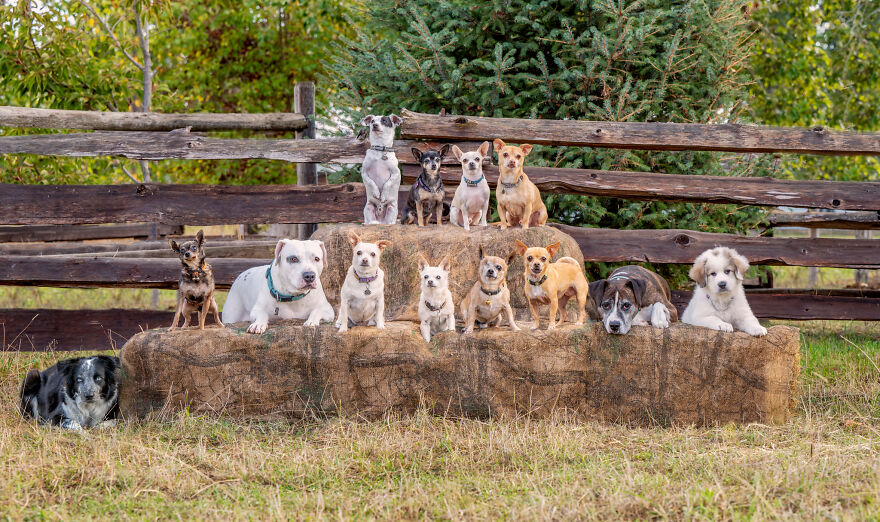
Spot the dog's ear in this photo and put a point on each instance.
(200, 237)
(323, 255)
(278, 247)
(444, 264)
(353, 238)
(638, 286)
(526, 148)
(484, 149)
(552, 249)
(482, 252)
(510, 258)
(367, 120)
(174, 245)
(444, 150)
(698, 271)
(597, 290)
(383, 244)
(456, 152)
(417, 154)
(498, 144)
(396, 120)
(422, 262)
(520, 247)
(740, 263)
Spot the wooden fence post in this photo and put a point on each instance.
(306, 173)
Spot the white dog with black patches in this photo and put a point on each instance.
(362, 296)
(289, 288)
(719, 301)
(380, 171)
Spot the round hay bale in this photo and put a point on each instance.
(407, 242)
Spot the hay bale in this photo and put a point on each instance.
(399, 260)
(681, 375)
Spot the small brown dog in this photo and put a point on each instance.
(489, 296)
(195, 289)
(553, 283)
(519, 200)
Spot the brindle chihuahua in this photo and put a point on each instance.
(426, 194)
(195, 291)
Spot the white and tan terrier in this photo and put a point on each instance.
(362, 296)
(553, 283)
(489, 298)
(470, 205)
(436, 310)
(519, 200)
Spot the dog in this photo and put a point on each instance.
(489, 296)
(436, 310)
(289, 288)
(470, 205)
(380, 171)
(362, 296)
(195, 288)
(426, 194)
(74, 393)
(519, 200)
(553, 283)
(632, 295)
(719, 301)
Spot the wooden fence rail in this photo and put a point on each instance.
(26, 117)
(83, 232)
(831, 220)
(638, 135)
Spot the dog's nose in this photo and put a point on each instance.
(431, 283)
(89, 396)
(615, 326)
(511, 164)
(722, 284)
(309, 277)
(490, 273)
(375, 127)
(187, 255)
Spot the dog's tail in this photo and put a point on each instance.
(571, 260)
(410, 313)
(30, 388)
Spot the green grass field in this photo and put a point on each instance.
(823, 464)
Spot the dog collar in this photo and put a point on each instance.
(282, 298)
(510, 186)
(473, 183)
(537, 283)
(432, 307)
(384, 150)
(196, 274)
(421, 183)
(491, 292)
(364, 279)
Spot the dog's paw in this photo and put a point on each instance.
(70, 424)
(725, 327)
(380, 326)
(342, 329)
(257, 328)
(533, 327)
(469, 330)
(515, 328)
(312, 322)
(760, 331)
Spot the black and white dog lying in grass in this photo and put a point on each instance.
(74, 394)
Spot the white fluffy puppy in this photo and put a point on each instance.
(362, 296)
(436, 311)
(289, 288)
(719, 301)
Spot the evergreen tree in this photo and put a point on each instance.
(608, 60)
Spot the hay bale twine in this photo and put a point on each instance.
(407, 241)
(682, 375)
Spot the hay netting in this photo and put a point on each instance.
(684, 374)
(399, 261)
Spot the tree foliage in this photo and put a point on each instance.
(242, 56)
(816, 63)
(608, 60)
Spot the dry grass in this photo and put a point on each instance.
(823, 464)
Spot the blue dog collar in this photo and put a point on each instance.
(282, 298)
(473, 183)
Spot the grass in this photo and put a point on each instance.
(825, 463)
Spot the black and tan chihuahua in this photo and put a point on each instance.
(195, 291)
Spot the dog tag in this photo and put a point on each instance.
(488, 302)
(384, 157)
(367, 292)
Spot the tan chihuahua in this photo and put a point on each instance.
(489, 296)
(553, 283)
(519, 200)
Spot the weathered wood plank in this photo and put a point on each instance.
(10, 234)
(831, 220)
(182, 144)
(236, 249)
(677, 187)
(108, 272)
(801, 307)
(641, 135)
(683, 246)
(26, 117)
(67, 330)
(89, 247)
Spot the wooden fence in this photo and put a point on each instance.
(146, 264)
